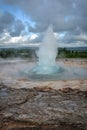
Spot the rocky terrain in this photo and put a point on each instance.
(42, 109)
(41, 105)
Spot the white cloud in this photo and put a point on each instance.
(33, 36)
(7, 40)
(68, 17)
(15, 39)
(82, 37)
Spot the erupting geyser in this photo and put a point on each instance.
(47, 55)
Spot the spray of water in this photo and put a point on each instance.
(47, 55)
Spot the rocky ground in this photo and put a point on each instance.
(39, 105)
(42, 109)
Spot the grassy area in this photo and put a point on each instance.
(23, 53)
(64, 53)
(30, 53)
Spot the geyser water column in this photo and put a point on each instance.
(47, 55)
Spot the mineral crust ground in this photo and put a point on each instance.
(26, 104)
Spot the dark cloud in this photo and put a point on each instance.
(6, 20)
(11, 2)
(68, 16)
(38, 27)
(9, 23)
(65, 15)
(18, 27)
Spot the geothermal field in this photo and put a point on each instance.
(43, 64)
(40, 103)
(44, 93)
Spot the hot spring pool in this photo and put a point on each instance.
(15, 69)
(65, 73)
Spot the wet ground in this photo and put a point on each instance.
(19, 68)
(42, 109)
(27, 104)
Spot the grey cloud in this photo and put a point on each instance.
(68, 16)
(9, 23)
(65, 15)
(6, 20)
(38, 27)
(18, 27)
(11, 2)
(38, 39)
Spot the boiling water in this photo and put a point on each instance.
(47, 68)
(47, 55)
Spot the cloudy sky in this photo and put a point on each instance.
(23, 22)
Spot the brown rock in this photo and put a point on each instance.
(42, 109)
